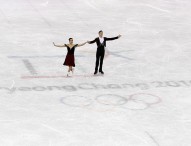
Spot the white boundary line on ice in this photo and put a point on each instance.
(13, 83)
(136, 23)
(156, 8)
(51, 128)
(151, 6)
(153, 139)
(39, 13)
(5, 17)
(139, 137)
(91, 3)
(45, 4)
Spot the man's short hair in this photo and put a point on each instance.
(100, 31)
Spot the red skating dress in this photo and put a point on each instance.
(70, 60)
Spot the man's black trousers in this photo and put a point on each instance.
(99, 58)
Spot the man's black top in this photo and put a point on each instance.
(99, 44)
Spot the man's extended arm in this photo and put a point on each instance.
(114, 38)
(91, 42)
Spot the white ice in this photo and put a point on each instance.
(144, 98)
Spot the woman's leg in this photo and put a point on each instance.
(68, 71)
(71, 69)
(68, 68)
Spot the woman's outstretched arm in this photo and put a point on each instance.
(79, 45)
(59, 45)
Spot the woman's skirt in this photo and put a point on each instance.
(69, 60)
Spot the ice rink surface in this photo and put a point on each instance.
(144, 98)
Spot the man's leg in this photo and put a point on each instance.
(101, 62)
(97, 62)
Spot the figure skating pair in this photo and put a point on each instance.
(100, 53)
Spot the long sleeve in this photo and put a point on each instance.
(91, 42)
(110, 39)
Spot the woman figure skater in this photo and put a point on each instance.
(70, 59)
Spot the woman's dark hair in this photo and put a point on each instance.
(70, 39)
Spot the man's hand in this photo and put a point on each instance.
(119, 36)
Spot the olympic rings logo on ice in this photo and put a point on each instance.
(138, 101)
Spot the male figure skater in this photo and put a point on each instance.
(101, 44)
